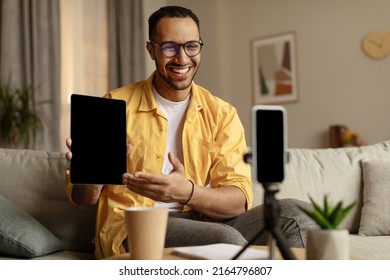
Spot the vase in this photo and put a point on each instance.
(327, 245)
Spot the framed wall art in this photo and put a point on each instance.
(274, 71)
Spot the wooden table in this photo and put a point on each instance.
(299, 253)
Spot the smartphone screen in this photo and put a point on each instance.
(269, 142)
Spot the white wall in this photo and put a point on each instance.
(338, 83)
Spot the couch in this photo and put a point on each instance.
(38, 221)
(360, 174)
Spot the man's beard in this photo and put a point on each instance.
(171, 83)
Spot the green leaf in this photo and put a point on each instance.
(315, 205)
(327, 216)
(318, 217)
(336, 211)
(322, 220)
(19, 121)
(343, 213)
(327, 208)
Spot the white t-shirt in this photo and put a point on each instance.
(175, 113)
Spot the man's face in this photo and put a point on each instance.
(175, 73)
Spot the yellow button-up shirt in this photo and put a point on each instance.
(213, 142)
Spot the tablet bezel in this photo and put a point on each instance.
(98, 133)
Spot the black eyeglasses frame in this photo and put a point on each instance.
(160, 45)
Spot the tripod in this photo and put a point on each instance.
(271, 214)
(269, 131)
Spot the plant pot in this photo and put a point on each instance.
(327, 245)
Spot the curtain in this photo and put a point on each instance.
(30, 54)
(84, 54)
(126, 42)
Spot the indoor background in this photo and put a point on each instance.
(337, 83)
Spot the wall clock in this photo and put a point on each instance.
(377, 44)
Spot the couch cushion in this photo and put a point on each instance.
(35, 182)
(370, 247)
(316, 172)
(23, 236)
(336, 172)
(375, 218)
(376, 151)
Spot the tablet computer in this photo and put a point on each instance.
(98, 133)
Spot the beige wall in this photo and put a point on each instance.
(338, 83)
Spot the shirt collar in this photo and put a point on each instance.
(148, 102)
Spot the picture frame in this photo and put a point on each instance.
(274, 70)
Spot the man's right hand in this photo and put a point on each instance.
(68, 155)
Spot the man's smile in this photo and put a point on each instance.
(181, 71)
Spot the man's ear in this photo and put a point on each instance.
(149, 47)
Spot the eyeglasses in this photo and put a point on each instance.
(171, 49)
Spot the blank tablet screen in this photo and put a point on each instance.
(98, 132)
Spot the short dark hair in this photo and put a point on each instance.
(169, 12)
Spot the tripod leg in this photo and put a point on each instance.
(271, 215)
(250, 242)
(282, 244)
(271, 247)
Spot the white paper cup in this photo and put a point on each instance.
(146, 228)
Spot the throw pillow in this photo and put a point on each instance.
(23, 236)
(375, 218)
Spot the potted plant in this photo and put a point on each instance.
(19, 123)
(328, 242)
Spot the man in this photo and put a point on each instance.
(186, 152)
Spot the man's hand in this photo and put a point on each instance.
(68, 155)
(166, 188)
(216, 203)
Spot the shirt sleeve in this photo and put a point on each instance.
(229, 168)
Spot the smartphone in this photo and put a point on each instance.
(269, 142)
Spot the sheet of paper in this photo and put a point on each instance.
(219, 251)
